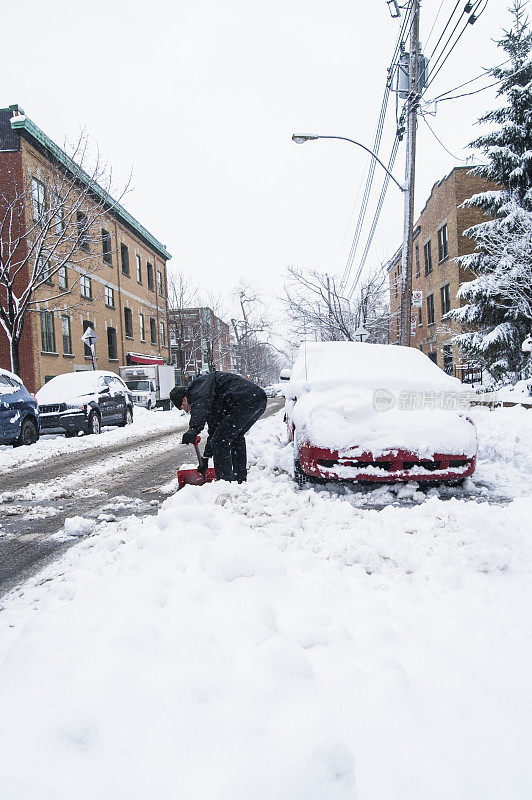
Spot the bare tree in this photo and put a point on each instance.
(252, 321)
(318, 309)
(47, 224)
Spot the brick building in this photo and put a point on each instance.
(118, 288)
(199, 341)
(438, 240)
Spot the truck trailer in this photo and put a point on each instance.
(150, 384)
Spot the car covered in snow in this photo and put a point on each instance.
(19, 414)
(381, 413)
(84, 401)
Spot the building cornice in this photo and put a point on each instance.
(27, 128)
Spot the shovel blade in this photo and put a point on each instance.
(194, 478)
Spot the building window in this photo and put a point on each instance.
(442, 243)
(149, 272)
(142, 329)
(47, 332)
(106, 247)
(58, 214)
(433, 357)
(153, 331)
(83, 231)
(421, 346)
(85, 287)
(417, 261)
(173, 335)
(419, 318)
(67, 338)
(111, 344)
(109, 296)
(128, 322)
(44, 270)
(139, 269)
(62, 277)
(38, 198)
(124, 257)
(445, 293)
(427, 253)
(162, 334)
(87, 324)
(430, 309)
(447, 359)
(160, 286)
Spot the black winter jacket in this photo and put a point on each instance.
(216, 395)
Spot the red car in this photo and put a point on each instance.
(380, 413)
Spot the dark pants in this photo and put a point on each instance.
(228, 444)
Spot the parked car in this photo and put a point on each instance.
(271, 391)
(84, 401)
(19, 415)
(381, 413)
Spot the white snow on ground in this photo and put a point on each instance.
(144, 423)
(264, 642)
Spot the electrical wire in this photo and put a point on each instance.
(376, 216)
(443, 31)
(376, 146)
(434, 74)
(440, 141)
(484, 74)
(434, 23)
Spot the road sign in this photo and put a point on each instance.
(90, 336)
(413, 324)
(417, 299)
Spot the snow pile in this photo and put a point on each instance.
(258, 641)
(334, 397)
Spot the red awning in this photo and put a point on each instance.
(137, 358)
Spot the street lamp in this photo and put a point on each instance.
(301, 138)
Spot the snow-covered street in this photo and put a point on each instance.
(264, 641)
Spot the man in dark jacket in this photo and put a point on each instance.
(229, 405)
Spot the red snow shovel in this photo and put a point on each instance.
(193, 476)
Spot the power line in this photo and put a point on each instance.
(473, 16)
(434, 23)
(376, 216)
(376, 147)
(443, 31)
(440, 141)
(484, 74)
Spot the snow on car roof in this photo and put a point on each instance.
(11, 375)
(369, 366)
(70, 384)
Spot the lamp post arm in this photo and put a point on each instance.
(372, 154)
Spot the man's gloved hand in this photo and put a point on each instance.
(189, 437)
(204, 466)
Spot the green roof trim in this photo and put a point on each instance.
(22, 123)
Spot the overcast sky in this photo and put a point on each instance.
(201, 98)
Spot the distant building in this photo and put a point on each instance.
(199, 341)
(438, 240)
(120, 291)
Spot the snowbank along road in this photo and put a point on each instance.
(121, 472)
(264, 641)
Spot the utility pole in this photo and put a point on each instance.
(408, 219)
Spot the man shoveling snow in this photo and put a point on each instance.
(229, 405)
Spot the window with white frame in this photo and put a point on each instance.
(139, 269)
(109, 296)
(47, 332)
(67, 338)
(62, 277)
(38, 196)
(442, 243)
(162, 333)
(142, 328)
(85, 286)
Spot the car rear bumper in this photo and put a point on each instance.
(396, 465)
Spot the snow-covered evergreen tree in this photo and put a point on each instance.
(496, 315)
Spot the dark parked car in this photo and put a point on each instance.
(19, 415)
(84, 401)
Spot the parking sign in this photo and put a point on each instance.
(417, 299)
